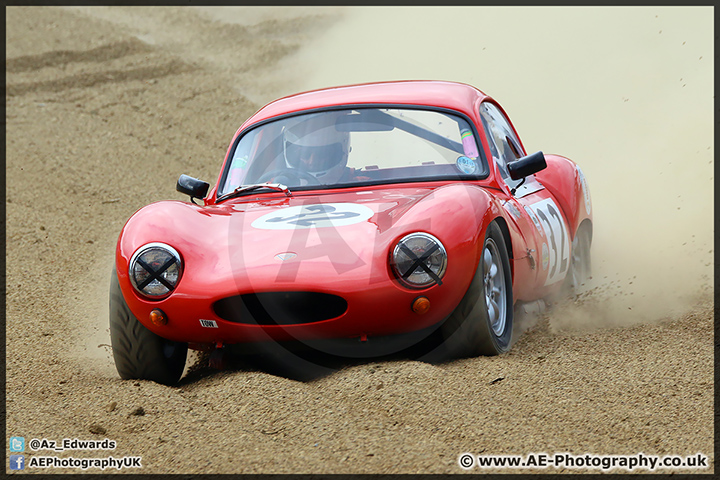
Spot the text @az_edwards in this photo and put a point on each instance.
(71, 444)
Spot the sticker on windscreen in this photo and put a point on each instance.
(466, 165)
(468, 143)
(314, 216)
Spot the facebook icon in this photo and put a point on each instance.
(17, 462)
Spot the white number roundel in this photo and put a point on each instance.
(314, 216)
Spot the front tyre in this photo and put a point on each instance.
(482, 322)
(138, 352)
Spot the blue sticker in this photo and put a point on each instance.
(466, 165)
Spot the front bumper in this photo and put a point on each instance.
(372, 311)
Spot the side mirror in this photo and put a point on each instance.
(525, 166)
(192, 186)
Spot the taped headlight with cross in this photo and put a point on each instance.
(155, 270)
(419, 260)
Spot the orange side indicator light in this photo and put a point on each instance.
(157, 317)
(421, 305)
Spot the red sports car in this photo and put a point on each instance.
(402, 210)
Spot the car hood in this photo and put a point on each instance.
(307, 241)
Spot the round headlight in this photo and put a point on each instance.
(155, 270)
(419, 260)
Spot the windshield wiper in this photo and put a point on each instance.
(251, 188)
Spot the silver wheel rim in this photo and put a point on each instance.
(577, 263)
(495, 293)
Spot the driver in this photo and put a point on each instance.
(316, 147)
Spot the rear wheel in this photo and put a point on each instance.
(482, 323)
(138, 352)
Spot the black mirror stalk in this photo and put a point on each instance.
(513, 190)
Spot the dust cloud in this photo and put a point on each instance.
(625, 92)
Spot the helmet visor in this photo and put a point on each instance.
(314, 159)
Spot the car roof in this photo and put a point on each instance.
(444, 94)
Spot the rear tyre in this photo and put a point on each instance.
(482, 323)
(138, 352)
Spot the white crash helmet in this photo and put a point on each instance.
(315, 146)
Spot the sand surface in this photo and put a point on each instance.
(106, 107)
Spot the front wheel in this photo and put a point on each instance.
(482, 322)
(138, 352)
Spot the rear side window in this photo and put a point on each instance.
(504, 144)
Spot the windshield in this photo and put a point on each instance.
(348, 147)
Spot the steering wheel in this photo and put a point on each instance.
(290, 172)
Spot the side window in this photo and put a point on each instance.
(504, 144)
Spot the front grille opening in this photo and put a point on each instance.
(280, 308)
